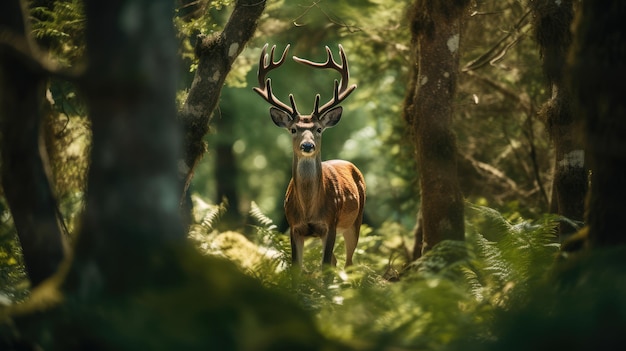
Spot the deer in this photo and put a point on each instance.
(322, 198)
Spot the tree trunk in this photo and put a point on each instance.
(226, 170)
(552, 21)
(597, 74)
(436, 30)
(215, 58)
(129, 87)
(135, 281)
(24, 175)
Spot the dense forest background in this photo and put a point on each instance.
(518, 127)
(497, 128)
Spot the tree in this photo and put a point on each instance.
(581, 305)
(436, 30)
(31, 205)
(596, 73)
(24, 169)
(552, 21)
(216, 55)
(226, 171)
(135, 281)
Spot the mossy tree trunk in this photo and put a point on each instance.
(597, 74)
(552, 21)
(135, 282)
(25, 179)
(436, 30)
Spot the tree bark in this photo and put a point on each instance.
(436, 29)
(596, 74)
(226, 170)
(131, 202)
(215, 58)
(24, 174)
(135, 281)
(552, 21)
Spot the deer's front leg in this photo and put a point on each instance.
(297, 246)
(328, 242)
(297, 236)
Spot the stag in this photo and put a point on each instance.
(322, 198)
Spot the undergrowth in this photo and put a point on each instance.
(14, 284)
(455, 290)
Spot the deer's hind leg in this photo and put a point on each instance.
(351, 238)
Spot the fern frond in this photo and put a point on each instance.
(206, 217)
(489, 222)
(494, 265)
(259, 216)
(213, 215)
(512, 258)
(444, 260)
(273, 244)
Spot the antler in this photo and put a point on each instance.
(266, 64)
(341, 90)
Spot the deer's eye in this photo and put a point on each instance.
(293, 130)
(319, 130)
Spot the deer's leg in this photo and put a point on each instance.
(328, 242)
(351, 238)
(297, 247)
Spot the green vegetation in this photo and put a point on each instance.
(491, 291)
(456, 290)
(13, 281)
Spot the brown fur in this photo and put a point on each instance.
(323, 204)
(323, 197)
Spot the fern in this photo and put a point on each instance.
(206, 217)
(268, 236)
(213, 214)
(259, 216)
(516, 260)
(274, 246)
(455, 290)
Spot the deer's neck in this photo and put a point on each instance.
(307, 177)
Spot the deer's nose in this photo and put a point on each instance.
(307, 147)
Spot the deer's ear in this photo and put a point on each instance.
(331, 117)
(280, 117)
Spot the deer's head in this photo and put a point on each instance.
(306, 130)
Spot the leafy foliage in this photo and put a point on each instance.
(196, 20)
(13, 281)
(59, 26)
(458, 291)
(505, 152)
(453, 291)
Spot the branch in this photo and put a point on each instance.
(499, 49)
(18, 47)
(492, 172)
(502, 187)
(339, 22)
(522, 100)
